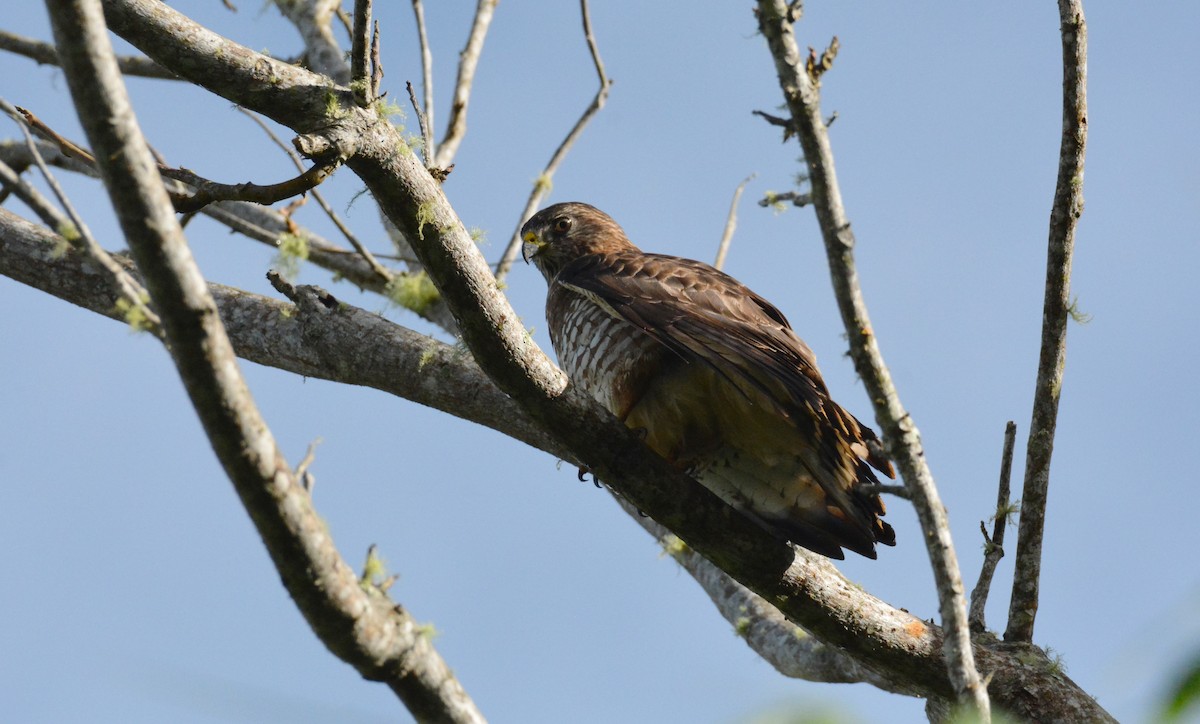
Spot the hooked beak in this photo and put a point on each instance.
(531, 247)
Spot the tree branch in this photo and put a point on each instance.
(730, 223)
(360, 58)
(800, 90)
(426, 84)
(133, 297)
(806, 589)
(314, 20)
(357, 622)
(468, 61)
(1064, 216)
(45, 54)
(542, 186)
(994, 546)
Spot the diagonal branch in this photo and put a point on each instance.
(468, 61)
(1064, 216)
(800, 89)
(357, 622)
(542, 186)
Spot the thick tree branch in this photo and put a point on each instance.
(800, 90)
(806, 589)
(357, 622)
(1064, 216)
(542, 186)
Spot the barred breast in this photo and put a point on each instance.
(602, 354)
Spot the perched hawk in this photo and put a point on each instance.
(714, 375)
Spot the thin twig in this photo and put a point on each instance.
(423, 122)
(426, 81)
(993, 546)
(80, 236)
(363, 627)
(1064, 215)
(28, 193)
(376, 63)
(731, 223)
(383, 272)
(776, 19)
(467, 63)
(544, 182)
(360, 71)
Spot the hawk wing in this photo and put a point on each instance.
(707, 317)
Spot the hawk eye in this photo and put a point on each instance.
(562, 225)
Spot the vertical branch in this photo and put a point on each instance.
(357, 622)
(993, 546)
(1064, 216)
(800, 89)
(542, 186)
(360, 58)
(730, 223)
(426, 82)
(467, 62)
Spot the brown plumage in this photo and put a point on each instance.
(715, 376)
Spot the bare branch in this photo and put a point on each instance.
(993, 546)
(134, 298)
(1064, 215)
(899, 431)
(359, 624)
(209, 191)
(385, 275)
(28, 193)
(467, 62)
(423, 122)
(544, 182)
(426, 83)
(360, 59)
(45, 54)
(731, 223)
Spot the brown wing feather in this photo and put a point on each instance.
(705, 316)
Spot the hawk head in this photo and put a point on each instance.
(559, 234)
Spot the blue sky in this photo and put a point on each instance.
(138, 590)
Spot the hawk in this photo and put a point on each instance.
(714, 376)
